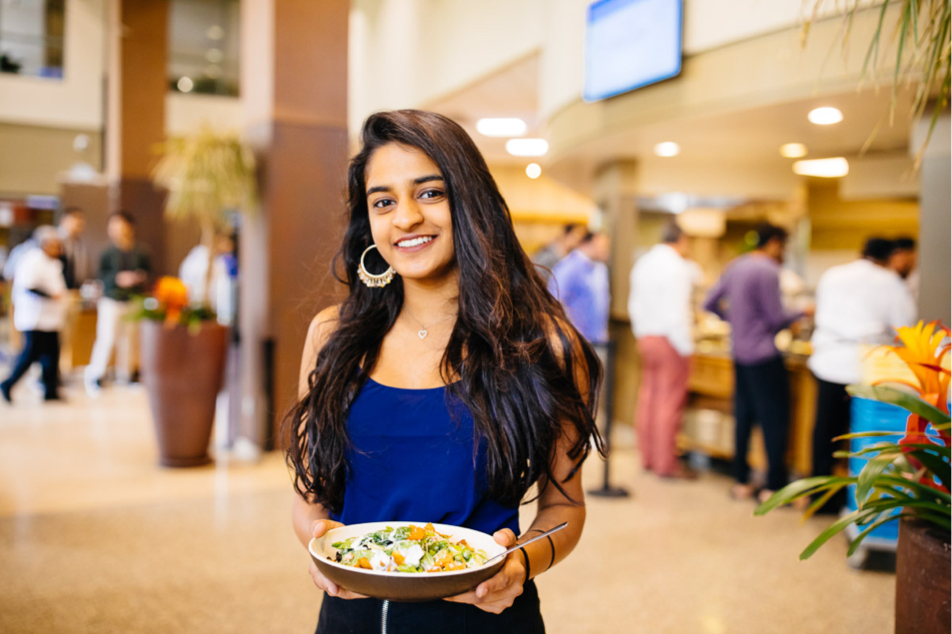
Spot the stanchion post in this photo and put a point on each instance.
(606, 489)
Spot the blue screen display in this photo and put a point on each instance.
(630, 44)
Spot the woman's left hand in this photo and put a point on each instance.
(499, 591)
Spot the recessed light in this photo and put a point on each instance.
(667, 149)
(533, 170)
(185, 84)
(527, 147)
(824, 168)
(825, 116)
(504, 126)
(793, 150)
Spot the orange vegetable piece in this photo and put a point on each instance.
(429, 527)
(443, 559)
(454, 566)
(399, 559)
(363, 562)
(416, 533)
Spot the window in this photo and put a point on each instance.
(203, 46)
(31, 37)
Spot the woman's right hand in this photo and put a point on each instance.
(318, 528)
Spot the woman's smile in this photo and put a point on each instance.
(415, 243)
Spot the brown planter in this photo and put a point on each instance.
(183, 373)
(922, 579)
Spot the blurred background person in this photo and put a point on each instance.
(38, 289)
(659, 303)
(548, 256)
(858, 305)
(194, 274)
(580, 282)
(76, 270)
(75, 255)
(124, 268)
(903, 261)
(748, 297)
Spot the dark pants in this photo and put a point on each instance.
(42, 346)
(762, 394)
(832, 420)
(366, 616)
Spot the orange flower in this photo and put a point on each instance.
(924, 349)
(172, 294)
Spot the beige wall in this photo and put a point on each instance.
(33, 157)
(408, 52)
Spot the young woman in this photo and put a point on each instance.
(445, 386)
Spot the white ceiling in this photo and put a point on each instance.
(741, 138)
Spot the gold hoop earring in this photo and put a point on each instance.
(369, 279)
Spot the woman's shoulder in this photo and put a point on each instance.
(323, 326)
(319, 332)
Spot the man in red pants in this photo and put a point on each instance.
(661, 316)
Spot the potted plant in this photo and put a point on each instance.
(906, 480)
(183, 349)
(183, 358)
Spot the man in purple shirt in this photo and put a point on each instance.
(748, 297)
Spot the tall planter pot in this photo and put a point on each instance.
(182, 372)
(922, 579)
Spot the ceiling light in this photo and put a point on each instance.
(501, 127)
(527, 147)
(793, 150)
(825, 116)
(215, 32)
(533, 170)
(667, 149)
(824, 168)
(185, 84)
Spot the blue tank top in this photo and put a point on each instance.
(411, 459)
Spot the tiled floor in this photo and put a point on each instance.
(94, 538)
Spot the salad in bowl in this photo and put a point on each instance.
(408, 548)
(406, 561)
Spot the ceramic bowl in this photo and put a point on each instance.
(404, 586)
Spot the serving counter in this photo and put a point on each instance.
(709, 421)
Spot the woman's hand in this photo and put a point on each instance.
(318, 528)
(499, 591)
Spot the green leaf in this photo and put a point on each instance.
(934, 464)
(922, 490)
(869, 529)
(798, 489)
(832, 530)
(820, 501)
(868, 476)
(909, 402)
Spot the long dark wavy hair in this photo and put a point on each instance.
(513, 358)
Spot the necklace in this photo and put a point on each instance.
(424, 330)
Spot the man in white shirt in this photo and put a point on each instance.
(661, 316)
(38, 289)
(858, 305)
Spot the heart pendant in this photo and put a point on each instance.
(422, 334)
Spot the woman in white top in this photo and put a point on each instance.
(38, 287)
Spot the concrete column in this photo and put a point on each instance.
(294, 87)
(137, 85)
(935, 228)
(615, 193)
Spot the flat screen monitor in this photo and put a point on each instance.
(630, 44)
